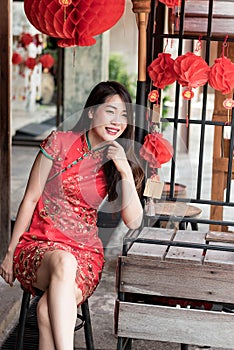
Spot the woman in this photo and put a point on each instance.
(55, 246)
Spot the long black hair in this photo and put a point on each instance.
(98, 96)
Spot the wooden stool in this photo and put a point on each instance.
(85, 322)
(174, 212)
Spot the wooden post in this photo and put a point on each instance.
(142, 9)
(5, 122)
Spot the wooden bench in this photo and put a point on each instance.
(174, 290)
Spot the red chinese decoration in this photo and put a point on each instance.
(83, 20)
(26, 39)
(222, 75)
(161, 71)
(153, 96)
(192, 70)
(16, 58)
(188, 94)
(47, 61)
(65, 2)
(30, 63)
(228, 103)
(171, 3)
(156, 150)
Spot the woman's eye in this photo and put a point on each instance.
(110, 111)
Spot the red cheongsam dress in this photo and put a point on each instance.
(65, 216)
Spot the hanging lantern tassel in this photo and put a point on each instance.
(188, 94)
(228, 103)
(65, 3)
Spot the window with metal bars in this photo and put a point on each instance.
(201, 130)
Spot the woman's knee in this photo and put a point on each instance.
(63, 265)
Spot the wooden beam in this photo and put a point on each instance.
(5, 122)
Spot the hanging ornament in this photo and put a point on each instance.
(30, 63)
(228, 103)
(84, 19)
(175, 5)
(192, 70)
(171, 3)
(153, 96)
(26, 39)
(47, 61)
(161, 70)
(16, 58)
(65, 3)
(222, 75)
(188, 94)
(156, 150)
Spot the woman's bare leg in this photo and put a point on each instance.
(57, 275)
(46, 339)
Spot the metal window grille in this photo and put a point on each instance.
(157, 37)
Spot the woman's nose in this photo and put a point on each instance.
(116, 119)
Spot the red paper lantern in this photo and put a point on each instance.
(26, 39)
(192, 70)
(30, 63)
(47, 61)
(171, 3)
(16, 58)
(156, 150)
(83, 19)
(222, 75)
(161, 71)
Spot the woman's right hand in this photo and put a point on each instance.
(6, 269)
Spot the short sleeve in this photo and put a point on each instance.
(50, 146)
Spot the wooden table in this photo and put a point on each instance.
(174, 293)
(174, 212)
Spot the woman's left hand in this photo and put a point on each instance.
(117, 153)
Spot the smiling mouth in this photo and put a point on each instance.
(112, 131)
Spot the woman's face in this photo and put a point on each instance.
(108, 121)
